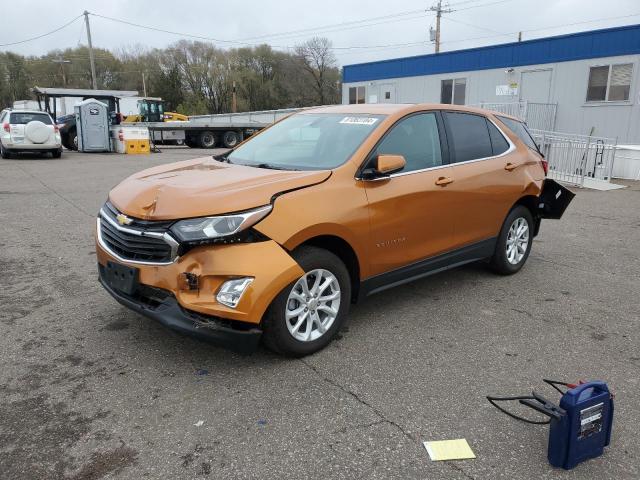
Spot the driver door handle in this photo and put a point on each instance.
(443, 181)
(510, 166)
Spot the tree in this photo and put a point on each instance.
(317, 59)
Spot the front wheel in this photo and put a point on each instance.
(307, 314)
(514, 242)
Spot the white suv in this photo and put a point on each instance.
(28, 131)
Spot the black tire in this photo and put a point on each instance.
(73, 139)
(56, 153)
(191, 142)
(500, 262)
(276, 334)
(207, 139)
(4, 153)
(230, 139)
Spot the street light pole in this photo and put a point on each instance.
(94, 82)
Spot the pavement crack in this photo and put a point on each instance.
(460, 469)
(362, 401)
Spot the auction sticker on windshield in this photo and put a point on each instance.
(359, 120)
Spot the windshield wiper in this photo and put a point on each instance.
(223, 157)
(271, 166)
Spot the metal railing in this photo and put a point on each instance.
(537, 115)
(573, 158)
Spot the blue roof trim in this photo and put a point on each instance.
(608, 42)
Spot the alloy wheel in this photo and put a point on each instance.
(313, 305)
(517, 240)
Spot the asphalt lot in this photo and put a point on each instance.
(89, 390)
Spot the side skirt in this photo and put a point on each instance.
(429, 266)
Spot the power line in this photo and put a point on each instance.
(473, 26)
(332, 26)
(401, 45)
(40, 36)
(482, 5)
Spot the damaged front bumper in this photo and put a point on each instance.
(162, 306)
(161, 293)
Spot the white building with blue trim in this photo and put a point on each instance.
(582, 83)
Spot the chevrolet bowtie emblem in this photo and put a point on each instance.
(123, 219)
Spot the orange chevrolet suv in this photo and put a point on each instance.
(275, 239)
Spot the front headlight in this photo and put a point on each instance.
(205, 228)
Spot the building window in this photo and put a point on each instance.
(356, 95)
(453, 91)
(609, 83)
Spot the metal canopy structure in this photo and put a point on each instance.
(81, 92)
(110, 97)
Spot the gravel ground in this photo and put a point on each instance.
(89, 390)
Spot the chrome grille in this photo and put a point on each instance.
(149, 244)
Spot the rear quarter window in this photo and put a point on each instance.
(521, 131)
(22, 118)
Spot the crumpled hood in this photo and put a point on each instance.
(202, 187)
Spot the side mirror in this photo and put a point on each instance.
(388, 164)
(383, 166)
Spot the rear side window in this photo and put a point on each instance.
(521, 131)
(416, 138)
(498, 142)
(22, 118)
(468, 136)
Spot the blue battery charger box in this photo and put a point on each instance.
(585, 429)
(580, 427)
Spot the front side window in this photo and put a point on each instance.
(453, 91)
(307, 141)
(356, 95)
(22, 118)
(470, 138)
(610, 83)
(416, 138)
(520, 129)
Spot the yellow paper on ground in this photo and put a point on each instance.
(449, 450)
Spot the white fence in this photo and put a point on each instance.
(573, 158)
(541, 116)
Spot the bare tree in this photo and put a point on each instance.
(317, 59)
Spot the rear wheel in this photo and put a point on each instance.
(4, 153)
(207, 139)
(73, 139)
(514, 242)
(308, 313)
(56, 153)
(230, 139)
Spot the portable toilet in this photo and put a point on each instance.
(92, 123)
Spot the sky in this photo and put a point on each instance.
(360, 30)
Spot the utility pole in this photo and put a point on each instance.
(144, 86)
(94, 83)
(439, 11)
(61, 61)
(234, 99)
(519, 36)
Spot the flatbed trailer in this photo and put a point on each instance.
(218, 130)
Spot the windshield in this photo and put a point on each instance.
(307, 142)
